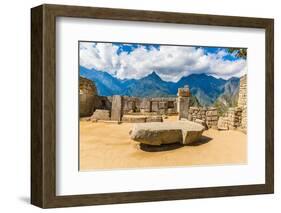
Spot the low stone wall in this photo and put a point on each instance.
(208, 115)
(101, 114)
(212, 117)
(234, 117)
(231, 120)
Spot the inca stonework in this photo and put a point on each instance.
(118, 106)
(148, 107)
(138, 110)
(183, 102)
(206, 116)
(88, 93)
(89, 100)
(242, 101)
(156, 105)
(236, 117)
(231, 120)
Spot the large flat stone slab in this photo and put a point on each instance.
(184, 132)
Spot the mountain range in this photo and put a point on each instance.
(207, 89)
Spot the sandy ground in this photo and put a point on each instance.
(108, 146)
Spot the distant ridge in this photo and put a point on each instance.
(207, 89)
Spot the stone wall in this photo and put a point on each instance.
(209, 115)
(115, 107)
(236, 117)
(87, 96)
(242, 101)
(122, 105)
(131, 104)
(149, 105)
(89, 100)
(125, 105)
(231, 120)
(242, 97)
(244, 118)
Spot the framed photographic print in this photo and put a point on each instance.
(136, 106)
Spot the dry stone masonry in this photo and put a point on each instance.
(144, 110)
(242, 98)
(87, 96)
(206, 116)
(236, 117)
(89, 100)
(242, 101)
(183, 102)
(157, 106)
(231, 120)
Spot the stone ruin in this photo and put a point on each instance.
(242, 101)
(140, 110)
(134, 109)
(87, 94)
(89, 100)
(207, 116)
(183, 102)
(236, 117)
(231, 120)
(118, 107)
(159, 106)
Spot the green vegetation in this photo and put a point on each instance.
(222, 109)
(239, 52)
(193, 101)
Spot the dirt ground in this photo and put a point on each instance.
(108, 146)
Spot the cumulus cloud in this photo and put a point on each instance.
(169, 62)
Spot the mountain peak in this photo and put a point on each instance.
(201, 75)
(206, 88)
(153, 75)
(233, 79)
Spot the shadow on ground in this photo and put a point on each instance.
(24, 199)
(173, 146)
(203, 140)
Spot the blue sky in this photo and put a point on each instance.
(128, 48)
(134, 61)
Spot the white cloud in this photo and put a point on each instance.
(170, 62)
